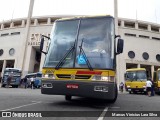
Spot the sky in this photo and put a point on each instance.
(145, 10)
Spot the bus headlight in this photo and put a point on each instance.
(49, 76)
(144, 86)
(128, 86)
(103, 78)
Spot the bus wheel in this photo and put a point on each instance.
(130, 92)
(68, 97)
(115, 98)
(3, 85)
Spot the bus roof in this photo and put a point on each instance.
(136, 69)
(34, 73)
(12, 69)
(83, 17)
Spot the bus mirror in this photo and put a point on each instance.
(42, 44)
(120, 44)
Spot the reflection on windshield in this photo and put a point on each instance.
(136, 75)
(62, 39)
(97, 37)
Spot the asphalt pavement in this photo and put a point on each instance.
(32, 101)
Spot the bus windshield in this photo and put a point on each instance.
(97, 35)
(136, 75)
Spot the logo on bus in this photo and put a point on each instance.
(72, 77)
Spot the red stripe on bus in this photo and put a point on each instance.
(89, 72)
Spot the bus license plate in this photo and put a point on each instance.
(72, 86)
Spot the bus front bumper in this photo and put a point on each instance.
(100, 90)
(136, 89)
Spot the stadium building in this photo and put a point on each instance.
(21, 50)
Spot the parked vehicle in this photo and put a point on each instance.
(135, 80)
(37, 76)
(15, 79)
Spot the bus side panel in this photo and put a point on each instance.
(157, 86)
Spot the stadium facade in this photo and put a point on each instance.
(141, 44)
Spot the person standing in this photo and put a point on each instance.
(152, 88)
(121, 86)
(9, 80)
(149, 86)
(25, 82)
(32, 82)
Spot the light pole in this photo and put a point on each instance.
(27, 34)
(116, 33)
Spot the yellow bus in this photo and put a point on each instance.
(81, 59)
(135, 80)
(156, 80)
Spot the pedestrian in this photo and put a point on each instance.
(152, 88)
(25, 82)
(0, 79)
(20, 83)
(32, 82)
(121, 86)
(9, 80)
(148, 87)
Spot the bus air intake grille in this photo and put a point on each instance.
(82, 76)
(63, 76)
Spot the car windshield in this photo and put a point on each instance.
(14, 73)
(136, 75)
(97, 35)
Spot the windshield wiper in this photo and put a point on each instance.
(85, 57)
(62, 61)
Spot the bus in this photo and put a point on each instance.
(81, 58)
(135, 80)
(16, 77)
(37, 76)
(156, 80)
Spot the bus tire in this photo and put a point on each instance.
(115, 98)
(130, 92)
(68, 97)
(3, 85)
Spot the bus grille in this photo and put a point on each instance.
(63, 76)
(75, 76)
(82, 76)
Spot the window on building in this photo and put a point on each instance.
(158, 57)
(15, 33)
(155, 38)
(129, 34)
(143, 36)
(131, 54)
(129, 24)
(119, 23)
(145, 56)
(142, 26)
(155, 28)
(5, 34)
(11, 51)
(1, 52)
